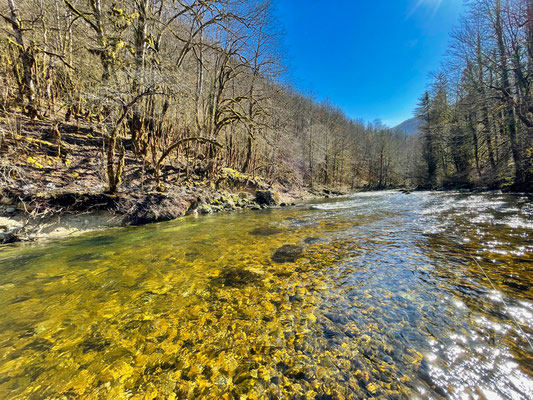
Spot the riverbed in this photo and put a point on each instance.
(381, 294)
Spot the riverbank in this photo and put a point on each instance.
(59, 213)
(54, 184)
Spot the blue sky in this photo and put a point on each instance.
(371, 58)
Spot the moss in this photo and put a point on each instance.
(235, 178)
(33, 161)
(205, 209)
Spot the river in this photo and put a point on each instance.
(384, 295)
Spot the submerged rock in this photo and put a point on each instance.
(522, 286)
(39, 345)
(287, 253)
(265, 231)
(94, 343)
(235, 277)
(85, 257)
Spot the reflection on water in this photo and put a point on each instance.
(378, 295)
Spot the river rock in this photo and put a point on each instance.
(236, 277)
(287, 253)
(8, 237)
(265, 231)
(266, 197)
(228, 203)
(9, 230)
(205, 209)
(522, 286)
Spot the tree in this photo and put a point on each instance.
(26, 54)
(423, 112)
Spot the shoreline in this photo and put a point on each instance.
(68, 214)
(63, 214)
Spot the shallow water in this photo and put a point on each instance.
(427, 295)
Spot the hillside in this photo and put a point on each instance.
(96, 110)
(410, 126)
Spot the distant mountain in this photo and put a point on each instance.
(410, 127)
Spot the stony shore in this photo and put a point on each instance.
(58, 214)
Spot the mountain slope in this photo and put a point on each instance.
(410, 126)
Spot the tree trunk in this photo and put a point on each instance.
(510, 121)
(28, 60)
(136, 124)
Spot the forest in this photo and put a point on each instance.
(169, 92)
(176, 85)
(477, 117)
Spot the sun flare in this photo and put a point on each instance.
(432, 4)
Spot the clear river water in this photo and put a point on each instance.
(378, 295)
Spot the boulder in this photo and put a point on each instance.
(266, 197)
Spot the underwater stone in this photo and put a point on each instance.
(265, 231)
(522, 286)
(235, 277)
(287, 253)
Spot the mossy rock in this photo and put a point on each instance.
(205, 209)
